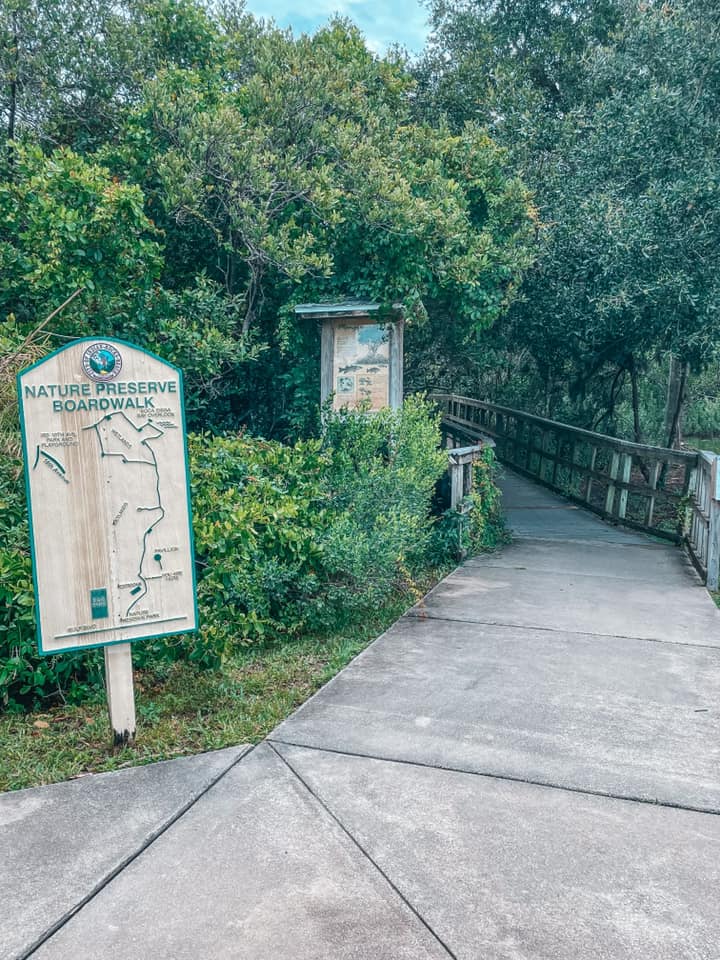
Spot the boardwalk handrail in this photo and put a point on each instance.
(668, 493)
(702, 533)
(460, 466)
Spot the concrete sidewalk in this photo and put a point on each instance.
(525, 767)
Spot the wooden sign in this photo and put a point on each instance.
(108, 496)
(361, 365)
(361, 353)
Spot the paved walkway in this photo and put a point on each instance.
(526, 767)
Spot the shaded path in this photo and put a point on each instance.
(525, 767)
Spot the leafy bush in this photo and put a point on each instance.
(289, 539)
(478, 525)
(258, 509)
(487, 521)
(381, 475)
(302, 537)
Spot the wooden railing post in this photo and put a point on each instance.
(588, 492)
(713, 559)
(610, 496)
(541, 456)
(456, 483)
(689, 519)
(625, 474)
(654, 477)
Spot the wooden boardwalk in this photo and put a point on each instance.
(525, 767)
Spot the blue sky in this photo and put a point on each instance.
(383, 23)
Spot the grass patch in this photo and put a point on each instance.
(183, 710)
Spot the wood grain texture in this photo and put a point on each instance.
(397, 331)
(107, 485)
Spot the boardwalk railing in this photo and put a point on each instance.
(703, 522)
(460, 466)
(668, 493)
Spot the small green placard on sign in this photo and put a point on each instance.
(99, 604)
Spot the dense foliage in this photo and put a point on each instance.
(246, 170)
(289, 540)
(609, 109)
(197, 174)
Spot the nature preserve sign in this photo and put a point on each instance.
(107, 481)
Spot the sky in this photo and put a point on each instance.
(383, 22)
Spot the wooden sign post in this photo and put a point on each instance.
(107, 479)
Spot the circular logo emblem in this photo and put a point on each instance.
(102, 361)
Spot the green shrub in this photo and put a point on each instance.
(259, 507)
(300, 538)
(487, 521)
(289, 539)
(381, 477)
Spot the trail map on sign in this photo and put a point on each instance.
(134, 523)
(108, 490)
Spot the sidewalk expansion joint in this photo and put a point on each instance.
(592, 541)
(487, 562)
(478, 564)
(647, 544)
(508, 778)
(424, 615)
(118, 869)
(356, 843)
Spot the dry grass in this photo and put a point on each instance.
(29, 351)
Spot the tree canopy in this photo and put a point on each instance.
(261, 171)
(539, 189)
(613, 113)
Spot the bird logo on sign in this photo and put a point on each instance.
(102, 361)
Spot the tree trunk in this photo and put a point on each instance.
(12, 108)
(636, 417)
(677, 387)
(635, 402)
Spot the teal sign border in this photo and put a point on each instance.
(109, 643)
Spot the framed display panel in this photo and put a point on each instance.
(361, 357)
(361, 364)
(108, 491)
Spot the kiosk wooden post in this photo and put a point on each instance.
(106, 469)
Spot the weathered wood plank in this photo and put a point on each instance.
(626, 446)
(536, 447)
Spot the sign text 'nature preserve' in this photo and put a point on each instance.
(106, 464)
